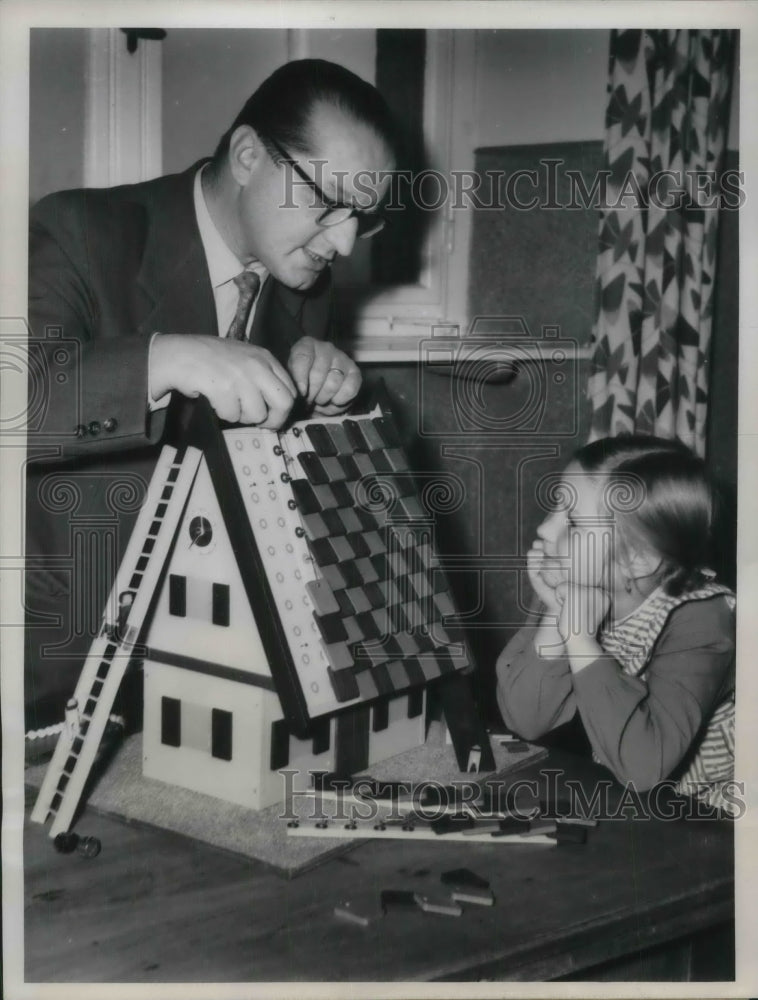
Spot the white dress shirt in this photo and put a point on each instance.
(223, 267)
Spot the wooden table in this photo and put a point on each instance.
(156, 907)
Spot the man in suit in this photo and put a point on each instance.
(213, 282)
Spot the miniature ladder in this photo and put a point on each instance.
(111, 651)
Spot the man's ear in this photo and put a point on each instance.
(246, 152)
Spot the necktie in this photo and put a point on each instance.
(248, 284)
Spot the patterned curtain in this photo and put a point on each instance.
(666, 121)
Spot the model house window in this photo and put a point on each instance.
(380, 715)
(280, 745)
(221, 734)
(321, 731)
(177, 595)
(220, 604)
(415, 702)
(171, 722)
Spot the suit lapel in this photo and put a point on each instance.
(174, 272)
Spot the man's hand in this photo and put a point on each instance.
(243, 383)
(325, 376)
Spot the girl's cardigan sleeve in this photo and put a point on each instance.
(640, 728)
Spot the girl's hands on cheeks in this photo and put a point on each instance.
(582, 610)
(544, 574)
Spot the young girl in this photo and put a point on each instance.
(635, 635)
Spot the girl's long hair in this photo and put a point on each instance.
(667, 503)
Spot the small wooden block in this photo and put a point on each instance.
(398, 567)
(396, 459)
(511, 825)
(398, 674)
(375, 520)
(358, 547)
(333, 521)
(370, 654)
(334, 469)
(345, 605)
(343, 684)
(382, 679)
(413, 670)
(339, 655)
(343, 549)
(372, 438)
(444, 604)
(321, 439)
(373, 595)
(374, 542)
(365, 463)
(490, 826)
(425, 553)
(358, 600)
(380, 461)
(305, 497)
(332, 627)
(341, 493)
(369, 575)
(339, 438)
(407, 643)
(325, 497)
(354, 432)
(315, 526)
(334, 576)
(351, 574)
(314, 468)
(324, 551)
(381, 564)
(430, 665)
(569, 833)
(539, 825)
(395, 620)
(322, 597)
(446, 907)
(479, 897)
(350, 519)
(352, 630)
(366, 685)
(411, 508)
(455, 823)
(576, 821)
(386, 430)
(359, 911)
(421, 584)
(368, 626)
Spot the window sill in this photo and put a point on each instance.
(442, 352)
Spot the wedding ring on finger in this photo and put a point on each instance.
(338, 370)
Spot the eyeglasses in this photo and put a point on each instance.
(334, 212)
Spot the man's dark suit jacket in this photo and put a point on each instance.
(108, 268)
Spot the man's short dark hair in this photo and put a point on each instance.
(281, 108)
